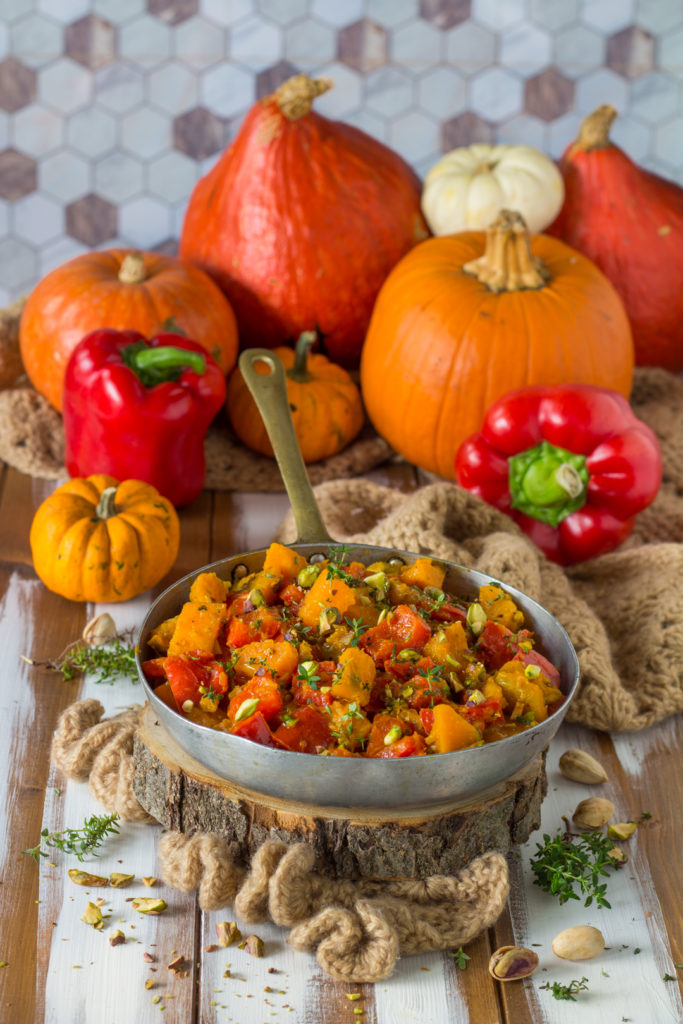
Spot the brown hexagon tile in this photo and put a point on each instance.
(362, 45)
(464, 130)
(548, 95)
(18, 175)
(172, 12)
(17, 85)
(91, 220)
(90, 41)
(631, 52)
(199, 133)
(169, 247)
(268, 80)
(445, 14)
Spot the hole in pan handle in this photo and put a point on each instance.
(269, 391)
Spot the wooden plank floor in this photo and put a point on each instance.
(62, 972)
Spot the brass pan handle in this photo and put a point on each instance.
(269, 391)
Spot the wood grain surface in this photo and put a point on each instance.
(61, 971)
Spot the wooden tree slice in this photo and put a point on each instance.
(186, 797)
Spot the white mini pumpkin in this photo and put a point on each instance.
(468, 187)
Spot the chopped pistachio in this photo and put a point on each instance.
(246, 709)
(353, 996)
(149, 880)
(150, 983)
(621, 830)
(308, 576)
(254, 945)
(227, 932)
(117, 939)
(476, 618)
(532, 671)
(84, 878)
(394, 734)
(119, 880)
(148, 958)
(149, 905)
(92, 916)
(256, 597)
(187, 706)
(178, 965)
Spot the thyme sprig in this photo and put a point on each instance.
(570, 991)
(105, 662)
(80, 841)
(570, 866)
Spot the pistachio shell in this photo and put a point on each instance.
(593, 812)
(510, 963)
(149, 905)
(582, 942)
(85, 878)
(581, 767)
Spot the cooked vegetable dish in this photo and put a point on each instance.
(347, 660)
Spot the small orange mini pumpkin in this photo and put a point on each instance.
(326, 406)
(96, 539)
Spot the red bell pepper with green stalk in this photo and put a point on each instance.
(139, 409)
(571, 464)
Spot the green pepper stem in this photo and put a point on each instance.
(547, 482)
(299, 371)
(106, 506)
(157, 365)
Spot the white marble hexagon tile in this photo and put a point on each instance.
(111, 109)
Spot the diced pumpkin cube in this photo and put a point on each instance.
(447, 643)
(161, 637)
(348, 724)
(493, 691)
(197, 627)
(268, 584)
(283, 562)
(326, 592)
(450, 731)
(500, 607)
(278, 657)
(356, 676)
(518, 689)
(423, 573)
(208, 587)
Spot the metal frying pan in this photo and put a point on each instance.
(339, 781)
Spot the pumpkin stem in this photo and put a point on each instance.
(594, 131)
(295, 96)
(508, 264)
(106, 506)
(132, 269)
(303, 346)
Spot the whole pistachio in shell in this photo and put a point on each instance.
(593, 812)
(582, 942)
(581, 767)
(510, 963)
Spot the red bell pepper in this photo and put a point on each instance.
(139, 409)
(571, 464)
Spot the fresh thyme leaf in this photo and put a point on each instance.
(80, 841)
(570, 867)
(668, 977)
(461, 958)
(105, 663)
(569, 991)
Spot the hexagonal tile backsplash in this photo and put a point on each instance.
(110, 110)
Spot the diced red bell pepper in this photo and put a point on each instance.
(308, 734)
(427, 719)
(496, 645)
(448, 612)
(238, 633)
(255, 728)
(259, 624)
(155, 668)
(406, 626)
(304, 693)
(486, 712)
(185, 676)
(292, 596)
(407, 746)
(426, 692)
(266, 690)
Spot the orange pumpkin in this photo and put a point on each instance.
(124, 290)
(453, 329)
(326, 406)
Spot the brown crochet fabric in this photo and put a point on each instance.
(357, 929)
(86, 747)
(623, 612)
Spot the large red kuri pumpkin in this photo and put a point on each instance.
(630, 222)
(452, 330)
(124, 290)
(300, 222)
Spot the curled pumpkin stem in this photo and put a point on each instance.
(594, 131)
(508, 264)
(295, 96)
